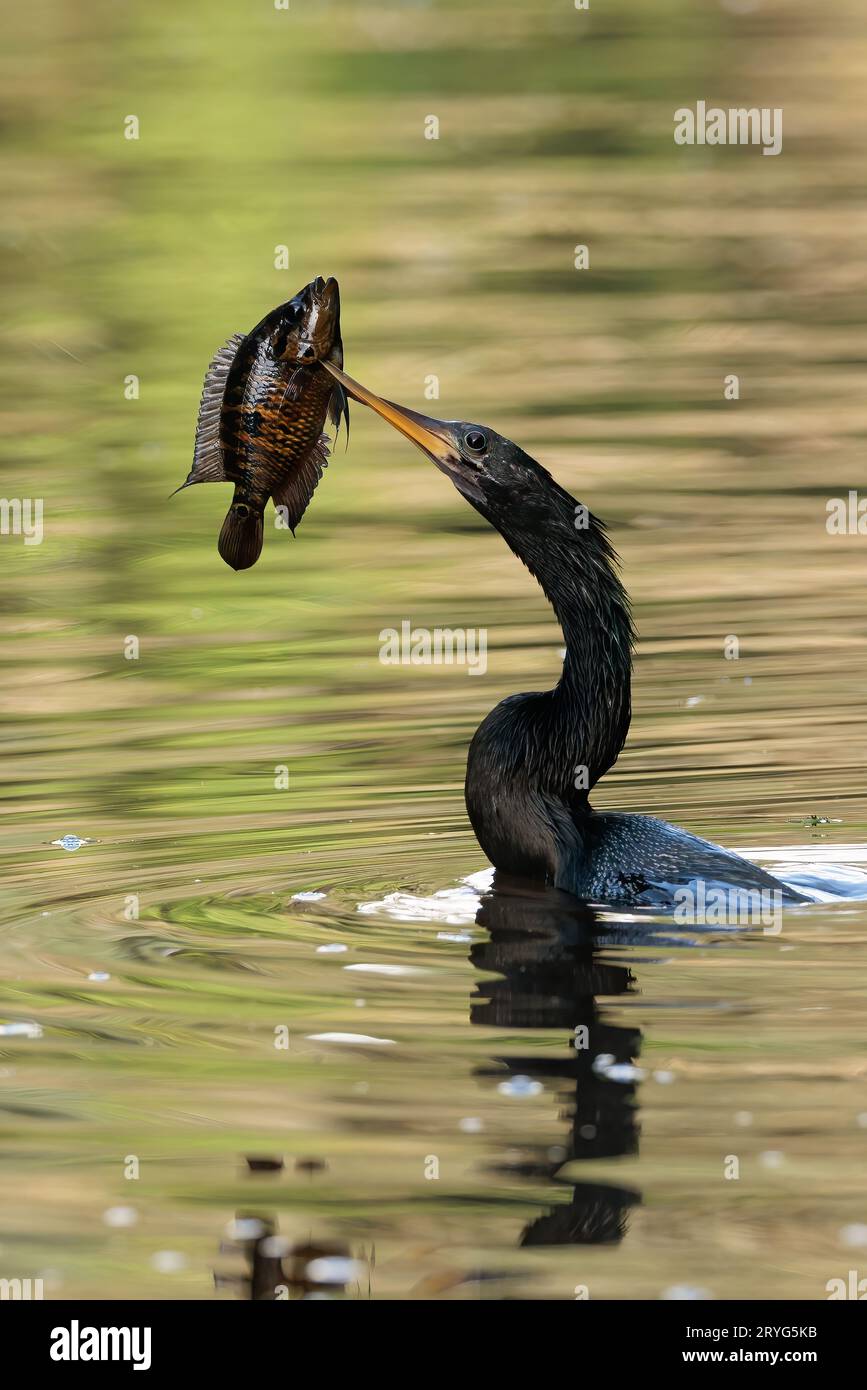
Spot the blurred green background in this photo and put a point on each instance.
(306, 128)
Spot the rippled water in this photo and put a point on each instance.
(430, 1115)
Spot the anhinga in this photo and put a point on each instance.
(529, 816)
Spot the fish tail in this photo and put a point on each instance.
(240, 542)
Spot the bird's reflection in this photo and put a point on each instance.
(545, 949)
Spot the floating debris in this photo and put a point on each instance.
(246, 1228)
(275, 1247)
(694, 700)
(520, 1086)
(459, 936)
(359, 1038)
(334, 1269)
(685, 1293)
(334, 948)
(771, 1158)
(814, 820)
(308, 897)
(258, 1164)
(168, 1261)
(743, 1119)
(663, 1078)
(120, 1217)
(310, 1166)
(607, 1066)
(373, 969)
(99, 975)
(854, 1237)
(26, 1029)
(71, 842)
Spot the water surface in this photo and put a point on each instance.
(472, 1151)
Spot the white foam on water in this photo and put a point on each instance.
(356, 1039)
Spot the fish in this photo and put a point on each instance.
(264, 405)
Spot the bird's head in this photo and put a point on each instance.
(489, 470)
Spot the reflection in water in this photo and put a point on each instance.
(543, 946)
(275, 1268)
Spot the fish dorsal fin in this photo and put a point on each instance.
(295, 491)
(208, 455)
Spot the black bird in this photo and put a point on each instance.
(534, 760)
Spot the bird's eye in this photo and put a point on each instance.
(476, 441)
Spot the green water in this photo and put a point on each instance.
(426, 1156)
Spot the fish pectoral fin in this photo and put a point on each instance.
(294, 492)
(208, 465)
(338, 407)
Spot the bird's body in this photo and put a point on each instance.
(536, 757)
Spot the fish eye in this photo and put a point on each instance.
(475, 440)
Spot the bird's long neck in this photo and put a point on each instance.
(568, 552)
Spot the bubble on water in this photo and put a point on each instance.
(99, 975)
(24, 1029)
(312, 897)
(771, 1158)
(335, 948)
(607, 1066)
(71, 842)
(357, 1038)
(334, 1269)
(120, 1217)
(557, 1154)
(471, 1124)
(520, 1086)
(275, 1247)
(587, 1132)
(854, 1236)
(168, 1261)
(245, 1228)
(683, 1293)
